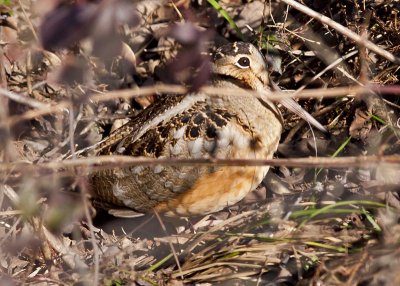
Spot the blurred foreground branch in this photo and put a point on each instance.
(104, 162)
(350, 91)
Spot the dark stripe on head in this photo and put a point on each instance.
(232, 50)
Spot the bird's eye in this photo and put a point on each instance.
(243, 62)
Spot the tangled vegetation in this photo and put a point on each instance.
(327, 213)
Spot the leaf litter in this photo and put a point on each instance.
(300, 227)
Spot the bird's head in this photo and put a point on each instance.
(242, 64)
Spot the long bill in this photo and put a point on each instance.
(296, 108)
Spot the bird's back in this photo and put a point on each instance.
(193, 126)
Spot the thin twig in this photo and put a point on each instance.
(176, 89)
(70, 258)
(219, 226)
(96, 251)
(12, 230)
(23, 99)
(164, 89)
(332, 65)
(343, 30)
(71, 127)
(116, 161)
(11, 213)
(28, 20)
(170, 243)
(315, 114)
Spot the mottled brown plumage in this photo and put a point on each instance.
(196, 126)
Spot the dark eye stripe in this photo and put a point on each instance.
(243, 62)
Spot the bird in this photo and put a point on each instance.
(193, 126)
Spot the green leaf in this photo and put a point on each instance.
(228, 18)
(5, 2)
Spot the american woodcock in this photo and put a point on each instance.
(196, 125)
